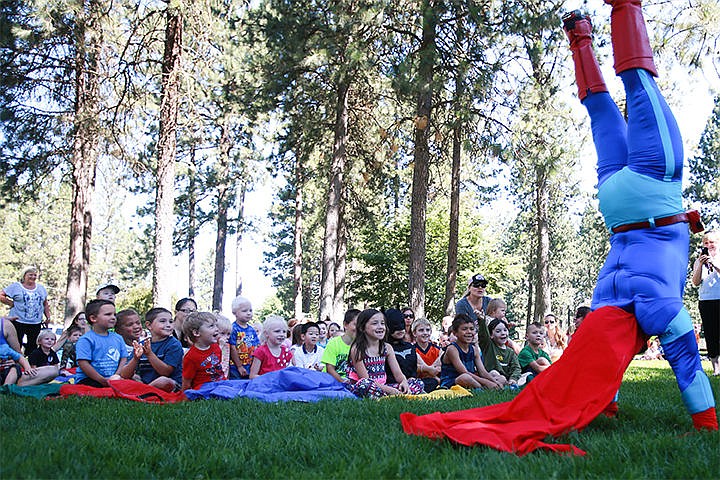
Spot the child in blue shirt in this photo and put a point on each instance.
(160, 364)
(100, 353)
(243, 339)
(461, 364)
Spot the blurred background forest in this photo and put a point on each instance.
(403, 146)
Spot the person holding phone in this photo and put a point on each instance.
(706, 276)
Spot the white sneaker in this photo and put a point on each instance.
(523, 379)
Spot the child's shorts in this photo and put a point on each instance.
(6, 369)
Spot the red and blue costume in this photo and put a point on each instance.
(640, 287)
(639, 187)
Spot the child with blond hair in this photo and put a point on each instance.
(272, 355)
(243, 338)
(225, 328)
(44, 355)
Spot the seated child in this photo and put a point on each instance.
(405, 353)
(496, 309)
(308, 353)
(498, 358)
(225, 329)
(203, 361)
(101, 354)
(334, 330)
(243, 339)
(461, 364)
(335, 356)
(79, 322)
(533, 359)
(446, 335)
(368, 355)
(68, 359)
(129, 327)
(295, 339)
(323, 338)
(44, 355)
(14, 367)
(580, 315)
(427, 352)
(272, 355)
(162, 354)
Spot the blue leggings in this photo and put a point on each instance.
(645, 270)
(649, 143)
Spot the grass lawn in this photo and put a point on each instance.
(108, 438)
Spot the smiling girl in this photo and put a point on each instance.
(368, 354)
(272, 355)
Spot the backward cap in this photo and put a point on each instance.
(111, 286)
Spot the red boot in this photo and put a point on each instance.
(706, 420)
(587, 71)
(631, 45)
(611, 411)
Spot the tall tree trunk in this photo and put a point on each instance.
(223, 205)
(239, 237)
(542, 289)
(455, 182)
(220, 242)
(529, 280)
(452, 255)
(340, 268)
(192, 223)
(166, 150)
(427, 53)
(334, 199)
(297, 240)
(84, 158)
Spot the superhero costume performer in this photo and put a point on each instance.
(640, 287)
(639, 187)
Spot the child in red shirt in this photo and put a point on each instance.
(272, 354)
(203, 362)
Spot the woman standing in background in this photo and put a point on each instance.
(27, 300)
(707, 277)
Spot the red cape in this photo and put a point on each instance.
(565, 397)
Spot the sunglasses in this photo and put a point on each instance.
(187, 310)
(479, 284)
(549, 321)
(408, 315)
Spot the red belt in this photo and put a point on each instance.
(691, 216)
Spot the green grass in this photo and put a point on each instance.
(108, 438)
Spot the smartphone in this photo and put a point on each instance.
(704, 251)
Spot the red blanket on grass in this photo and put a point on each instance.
(128, 389)
(565, 397)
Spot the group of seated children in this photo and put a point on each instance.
(371, 354)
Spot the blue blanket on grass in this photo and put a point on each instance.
(288, 384)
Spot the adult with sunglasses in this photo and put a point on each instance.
(555, 339)
(408, 318)
(183, 308)
(475, 301)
